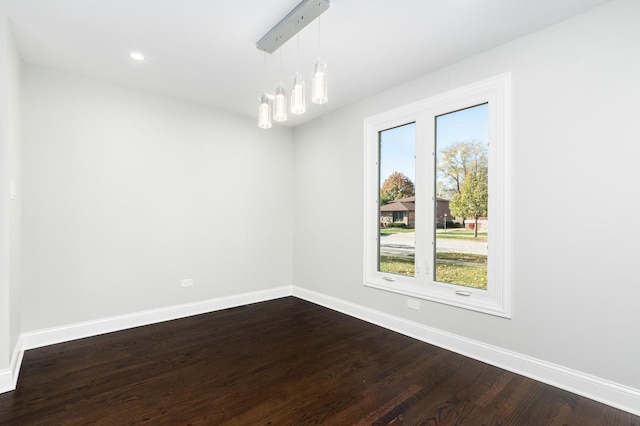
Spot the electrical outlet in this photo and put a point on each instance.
(413, 304)
(186, 283)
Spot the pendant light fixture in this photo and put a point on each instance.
(319, 82)
(302, 15)
(280, 104)
(264, 112)
(264, 107)
(298, 104)
(280, 100)
(298, 101)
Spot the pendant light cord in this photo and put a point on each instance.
(298, 59)
(280, 77)
(264, 83)
(319, 38)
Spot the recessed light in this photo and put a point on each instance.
(137, 56)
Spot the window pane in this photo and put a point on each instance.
(462, 194)
(396, 229)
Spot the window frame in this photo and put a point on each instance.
(496, 300)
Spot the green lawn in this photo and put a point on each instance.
(461, 234)
(463, 257)
(398, 265)
(448, 272)
(467, 275)
(388, 231)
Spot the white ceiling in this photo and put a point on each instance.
(204, 50)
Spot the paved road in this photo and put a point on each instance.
(403, 244)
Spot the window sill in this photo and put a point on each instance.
(476, 300)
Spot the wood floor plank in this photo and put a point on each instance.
(282, 362)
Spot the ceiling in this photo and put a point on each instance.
(205, 50)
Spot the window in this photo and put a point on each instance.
(398, 217)
(462, 178)
(437, 216)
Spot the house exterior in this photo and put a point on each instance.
(483, 224)
(442, 212)
(404, 210)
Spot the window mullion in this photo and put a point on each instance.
(424, 194)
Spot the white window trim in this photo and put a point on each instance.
(497, 299)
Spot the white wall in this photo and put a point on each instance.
(5, 350)
(10, 215)
(125, 193)
(575, 150)
(15, 172)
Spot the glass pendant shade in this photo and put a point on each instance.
(264, 112)
(319, 83)
(297, 95)
(280, 105)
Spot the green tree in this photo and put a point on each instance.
(454, 164)
(473, 198)
(395, 187)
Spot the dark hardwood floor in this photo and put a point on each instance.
(282, 362)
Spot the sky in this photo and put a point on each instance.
(397, 145)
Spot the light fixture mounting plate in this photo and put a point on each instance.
(301, 16)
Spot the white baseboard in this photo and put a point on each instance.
(610, 393)
(9, 377)
(50, 336)
(6, 380)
